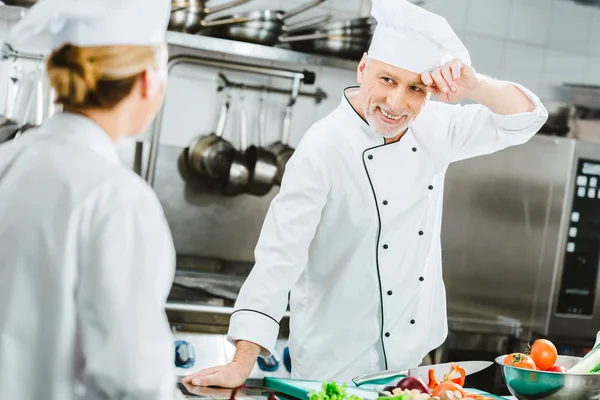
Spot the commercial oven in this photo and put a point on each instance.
(521, 238)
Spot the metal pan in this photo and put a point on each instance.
(265, 167)
(349, 27)
(211, 155)
(259, 27)
(188, 16)
(348, 47)
(281, 149)
(243, 162)
(8, 125)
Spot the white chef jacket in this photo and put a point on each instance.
(355, 234)
(86, 264)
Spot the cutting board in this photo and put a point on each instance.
(300, 389)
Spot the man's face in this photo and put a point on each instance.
(390, 97)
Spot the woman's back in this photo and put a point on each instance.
(74, 223)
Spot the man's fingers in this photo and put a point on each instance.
(200, 374)
(208, 380)
(439, 80)
(456, 67)
(447, 75)
(426, 78)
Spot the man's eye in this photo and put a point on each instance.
(387, 80)
(417, 89)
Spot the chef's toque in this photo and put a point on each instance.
(50, 24)
(412, 38)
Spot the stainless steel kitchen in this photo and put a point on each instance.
(250, 83)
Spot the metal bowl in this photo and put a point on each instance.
(526, 384)
(20, 3)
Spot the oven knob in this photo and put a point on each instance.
(184, 354)
(268, 364)
(287, 360)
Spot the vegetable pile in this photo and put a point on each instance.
(450, 388)
(409, 388)
(542, 356)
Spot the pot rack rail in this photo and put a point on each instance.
(297, 77)
(319, 95)
(7, 53)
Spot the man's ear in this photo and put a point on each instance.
(360, 71)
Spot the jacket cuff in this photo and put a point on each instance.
(256, 327)
(522, 121)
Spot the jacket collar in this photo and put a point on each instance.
(85, 131)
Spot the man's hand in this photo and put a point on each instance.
(452, 81)
(232, 375)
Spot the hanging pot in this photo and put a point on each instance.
(265, 167)
(8, 124)
(211, 155)
(240, 170)
(281, 149)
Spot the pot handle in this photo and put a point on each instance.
(307, 23)
(223, 113)
(262, 120)
(313, 36)
(225, 21)
(301, 9)
(243, 122)
(13, 90)
(224, 6)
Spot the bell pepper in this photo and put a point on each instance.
(433, 382)
(460, 380)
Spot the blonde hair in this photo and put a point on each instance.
(100, 77)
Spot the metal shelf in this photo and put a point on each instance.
(227, 47)
(254, 51)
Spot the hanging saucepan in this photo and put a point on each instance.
(188, 15)
(241, 167)
(265, 168)
(211, 155)
(8, 125)
(260, 27)
(281, 149)
(35, 104)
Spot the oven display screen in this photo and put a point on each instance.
(591, 168)
(577, 292)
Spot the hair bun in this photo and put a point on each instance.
(72, 74)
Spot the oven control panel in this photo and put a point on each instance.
(578, 284)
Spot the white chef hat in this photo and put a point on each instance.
(412, 38)
(50, 24)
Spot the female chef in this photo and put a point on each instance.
(87, 258)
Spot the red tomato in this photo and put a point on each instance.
(557, 368)
(519, 360)
(445, 386)
(543, 353)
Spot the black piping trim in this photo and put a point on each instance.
(352, 107)
(258, 312)
(381, 333)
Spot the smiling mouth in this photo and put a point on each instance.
(390, 116)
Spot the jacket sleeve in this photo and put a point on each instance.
(281, 253)
(128, 263)
(476, 131)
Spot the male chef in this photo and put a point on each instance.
(354, 232)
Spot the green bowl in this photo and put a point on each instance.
(526, 384)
